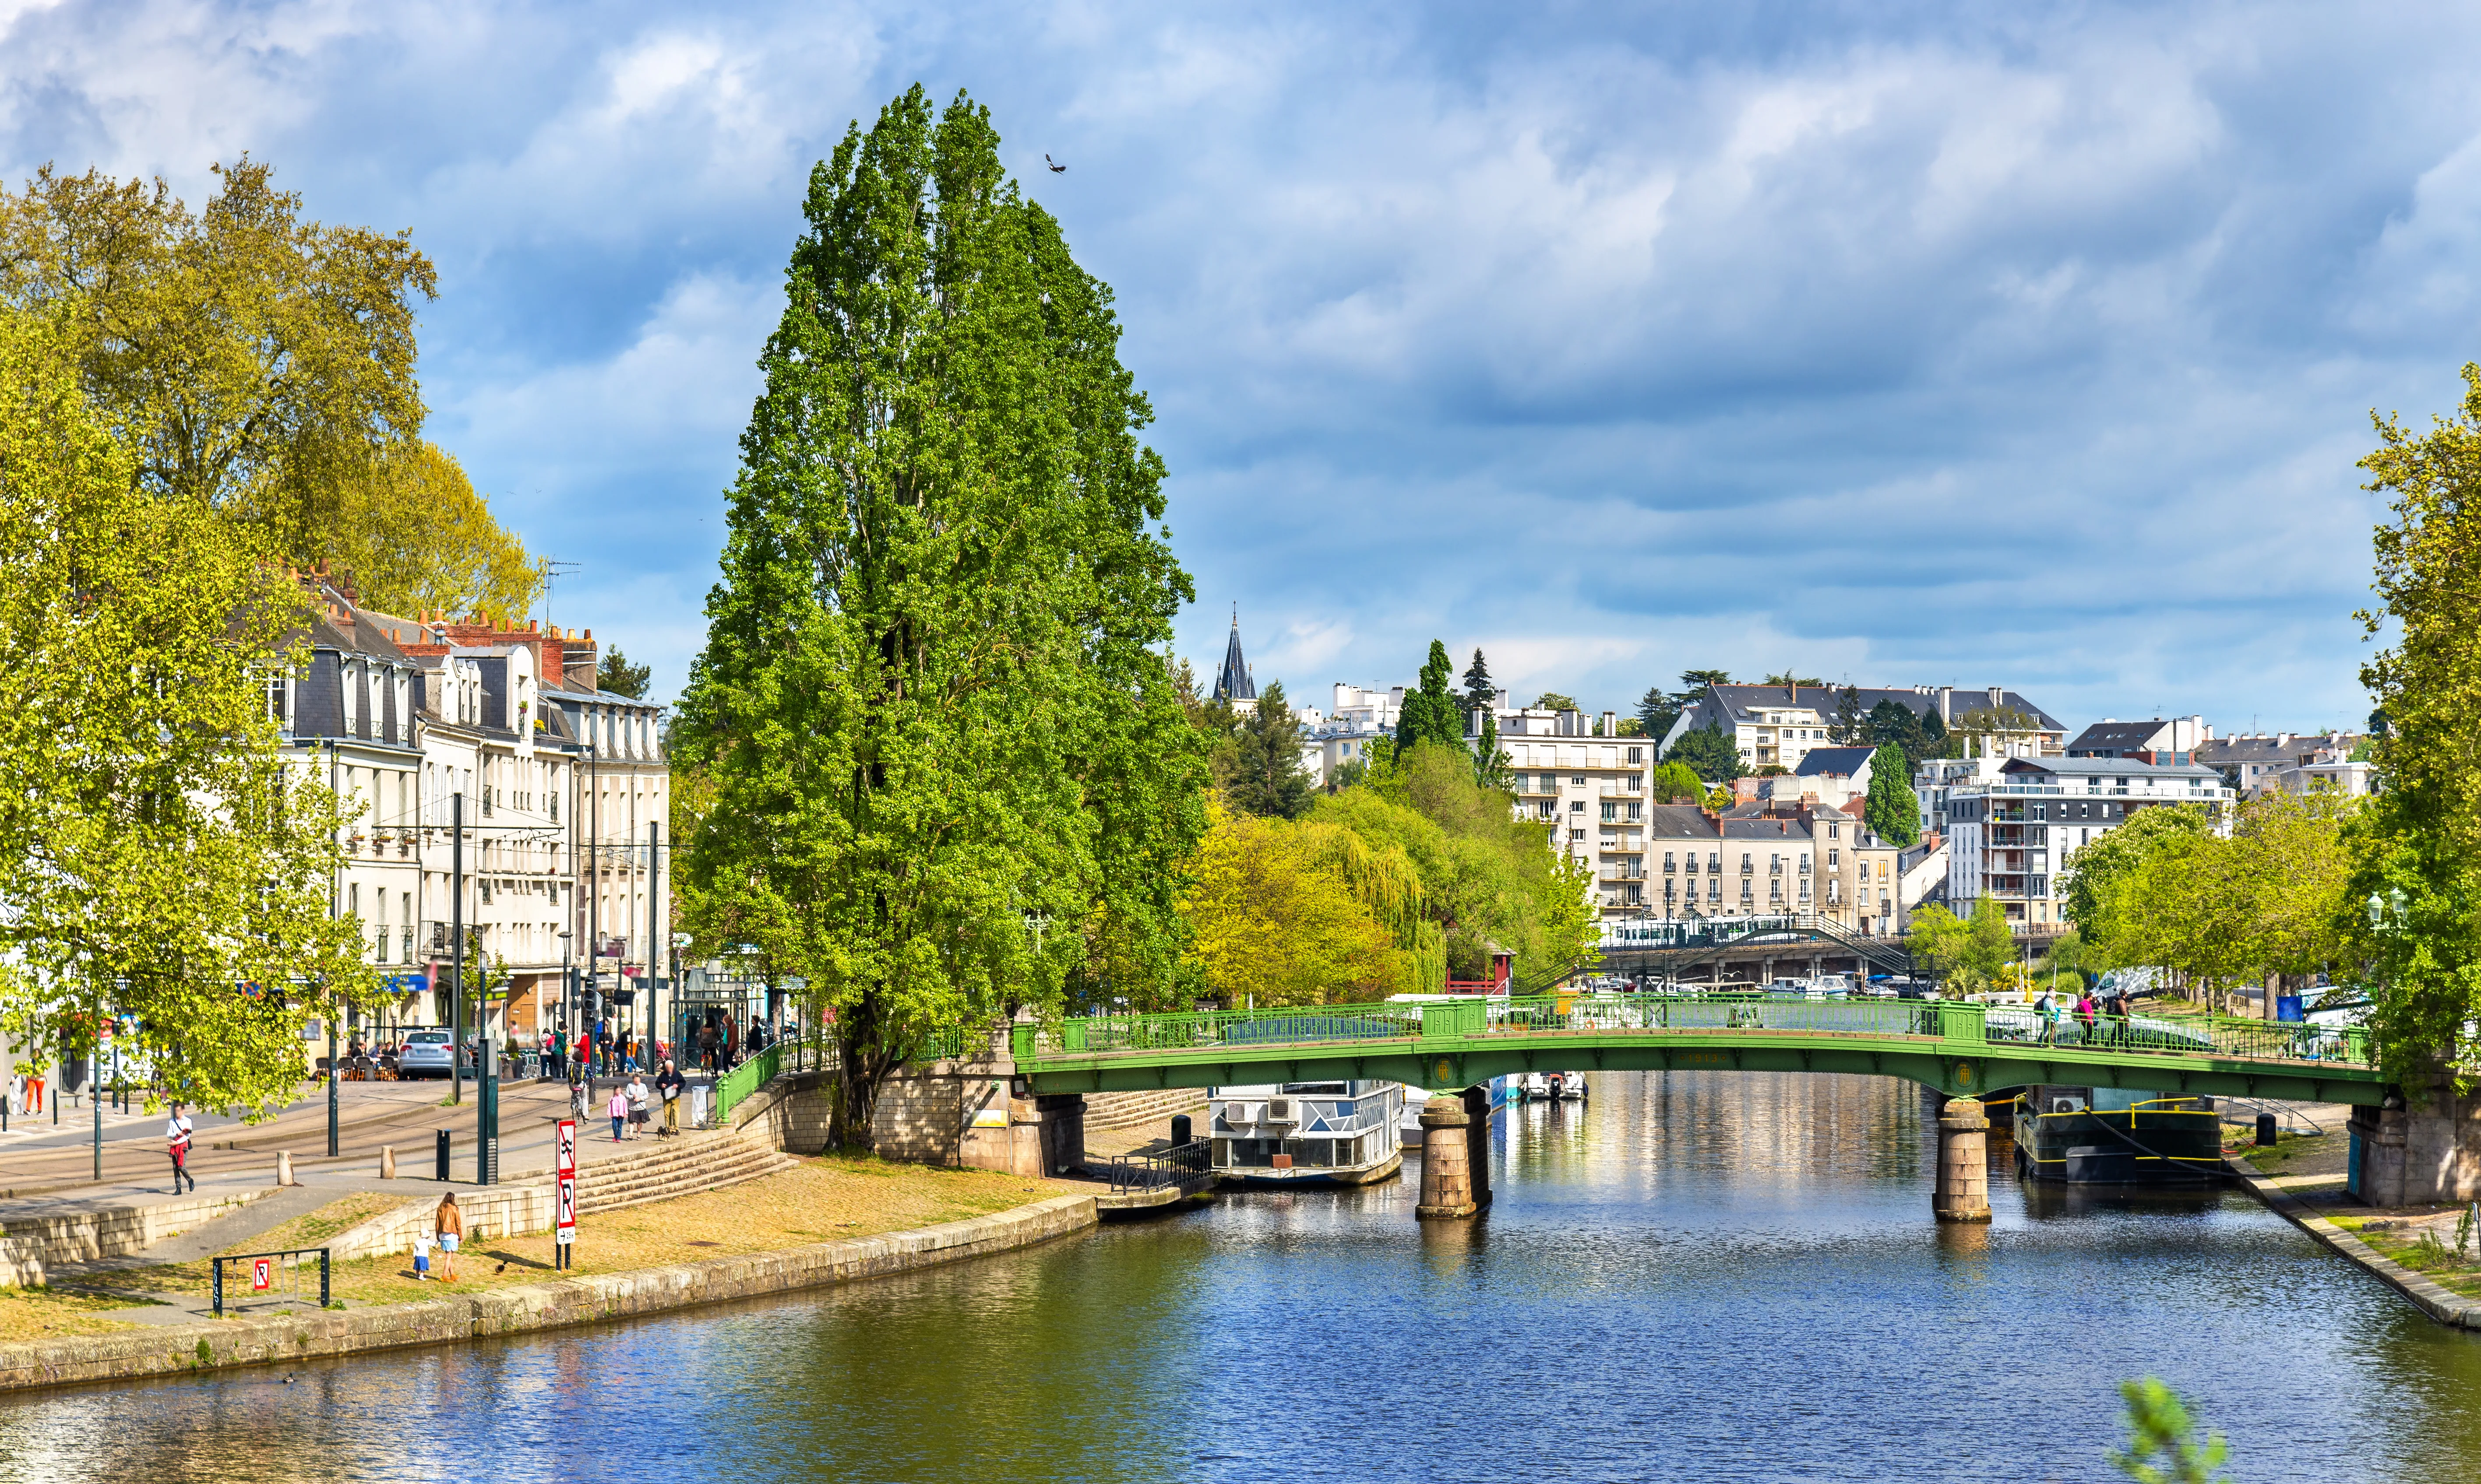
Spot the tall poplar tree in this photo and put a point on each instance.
(950, 776)
(1431, 712)
(2417, 882)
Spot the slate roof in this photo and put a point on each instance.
(1233, 682)
(1743, 703)
(1840, 762)
(2113, 738)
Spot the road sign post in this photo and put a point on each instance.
(565, 1191)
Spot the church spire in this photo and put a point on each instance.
(1232, 683)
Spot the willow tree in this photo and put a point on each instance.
(949, 777)
(158, 860)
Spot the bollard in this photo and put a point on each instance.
(1179, 1131)
(284, 1167)
(2265, 1131)
(1446, 1160)
(1963, 1190)
(387, 1162)
(443, 1154)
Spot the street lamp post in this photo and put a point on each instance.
(457, 946)
(568, 993)
(332, 891)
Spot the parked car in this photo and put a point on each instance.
(426, 1053)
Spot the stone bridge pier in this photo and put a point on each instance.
(1455, 1155)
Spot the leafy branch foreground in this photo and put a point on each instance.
(2161, 1439)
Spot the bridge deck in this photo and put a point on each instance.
(1955, 1047)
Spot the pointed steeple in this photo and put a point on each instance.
(1232, 683)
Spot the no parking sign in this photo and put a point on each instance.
(262, 1274)
(565, 1197)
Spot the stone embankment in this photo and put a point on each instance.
(2442, 1304)
(287, 1338)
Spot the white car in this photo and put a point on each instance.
(426, 1053)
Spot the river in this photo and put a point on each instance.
(1701, 1276)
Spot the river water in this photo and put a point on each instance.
(1701, 1276)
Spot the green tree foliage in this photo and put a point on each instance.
(1553, 700)
(2090, 876)
(1487, 876)
(1709, 752)
(1850, 727)
(1430, 713)
(2161, 1440)
(1966, 954)
(1303, 914)
(950, 777)
(1657, 711)
(2417, 849)
(265, 365)
(1480, 694)
(158, 857)
(616, 675)
(1493, 768)
(1677, 783)
(1788, 678)
(1894, 812)
(2269, 898)
(1919, 734)
(417, 537)
(1266, 778)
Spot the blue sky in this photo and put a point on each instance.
(1912, 344)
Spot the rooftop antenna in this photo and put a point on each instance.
(551, 567)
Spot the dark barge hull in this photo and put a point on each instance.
(2139, 1147)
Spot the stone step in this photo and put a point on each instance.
(707, 1164)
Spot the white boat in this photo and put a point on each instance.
(1307, 1134)
(1568, 1087)
(1538, 1086)
(1408, 1123)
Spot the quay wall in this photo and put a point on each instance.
(278, 1340)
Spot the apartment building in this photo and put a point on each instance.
(1359, 717)
(1777, 725)
(1578, 774)
(2288, 763)
(2010, 837)
(622, 822)
(2176, 739)
(349, 716)
(1763, 860)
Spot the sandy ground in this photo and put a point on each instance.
(824, 1198)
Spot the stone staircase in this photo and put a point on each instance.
(682, 1166)
(1135, 1109)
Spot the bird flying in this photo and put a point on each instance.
(1056, 170)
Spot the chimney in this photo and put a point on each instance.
(1947, 704)
(1611, 723)
(1997, 696)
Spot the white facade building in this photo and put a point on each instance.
(2008, 837)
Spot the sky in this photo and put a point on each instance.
(1892, 343)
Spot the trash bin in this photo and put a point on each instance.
(443, 1154)
(1178, 1129)
(2265, 1131)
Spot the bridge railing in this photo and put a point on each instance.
(1958, 1025)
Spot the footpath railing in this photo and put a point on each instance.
(276, 1273)
(811, 1051)
(1955, 1024)
(1189, 1166)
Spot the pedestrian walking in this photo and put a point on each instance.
(176, 1133)
(669, 1083)
(448, 1223)
(34, 1091)
(637, 1104)
(618, 1110)
(706, 1047)
(2047, 1011)
(2085, 1013)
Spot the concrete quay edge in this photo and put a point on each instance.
(276, 1339)
(2429, 1298)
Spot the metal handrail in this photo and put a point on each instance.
(1954, 1022)
(216, 1277)
(1183, 1165)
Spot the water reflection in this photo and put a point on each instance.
(1694, 1275)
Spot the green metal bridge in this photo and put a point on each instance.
(1958, 1048)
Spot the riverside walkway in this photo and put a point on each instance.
(1960, 1049)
